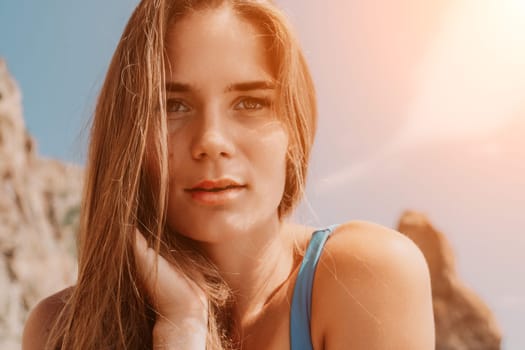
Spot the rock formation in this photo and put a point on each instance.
(463, 321)
(39, 201)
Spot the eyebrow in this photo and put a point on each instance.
(177, 87)
(251, 85)
(244, 86)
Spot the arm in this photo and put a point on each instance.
(41, 319)
(181, 328)
(372, 291)
(35, 329)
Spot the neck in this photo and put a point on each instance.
(254, 265)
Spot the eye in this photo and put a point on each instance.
(176, 106)
(251, 103)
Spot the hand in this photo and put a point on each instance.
(177, 300)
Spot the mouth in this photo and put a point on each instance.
(214, 189)
(216, 192)
(215, 185)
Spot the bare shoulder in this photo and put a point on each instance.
(41, 318)
(368, 242)
(372, 291)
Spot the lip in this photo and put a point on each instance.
(216, 192)
(221, 197)
(215, 184)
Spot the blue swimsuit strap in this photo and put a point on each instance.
(300, 312)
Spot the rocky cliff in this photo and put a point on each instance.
(39, 204)
(463, 320)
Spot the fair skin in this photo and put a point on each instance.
(221, 126)
(371, 289)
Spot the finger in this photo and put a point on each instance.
(144, 260)
(140, 249)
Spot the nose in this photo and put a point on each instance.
(212, 139)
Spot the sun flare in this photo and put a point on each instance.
(469, 85)
(472, 80)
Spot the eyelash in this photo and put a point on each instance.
(171, 102)
(260, 102)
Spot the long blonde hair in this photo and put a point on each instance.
(127, 179)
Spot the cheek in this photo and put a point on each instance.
(175, 157)
(271, 148)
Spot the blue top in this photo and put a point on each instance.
(300, 312)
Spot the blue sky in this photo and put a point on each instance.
(421, 107)
(59, 50)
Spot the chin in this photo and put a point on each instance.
(219, 227)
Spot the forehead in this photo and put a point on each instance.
(216, 44)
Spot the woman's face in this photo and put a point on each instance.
(227, 148)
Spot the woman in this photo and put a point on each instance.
(198, 153)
